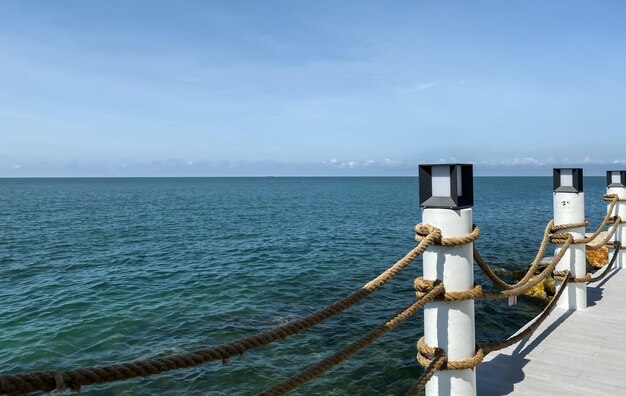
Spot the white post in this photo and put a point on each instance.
(450, 325)
(616, 186)
(569, 207)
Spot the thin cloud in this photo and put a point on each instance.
(523, 161)
(418, 87)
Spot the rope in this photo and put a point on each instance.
(537, 261)
(561, 275)
(611, 197)
(339, 357)
(425, 354)
(423, 230)
(588, 278)
(560, 238)
(434, 359)
(566, 226)
(531, 270)
(533, 281)
(423, 286)
(47, 381)
(617, 221)
(496, 346)
(608, 267)
(613, 245)
(435, 365)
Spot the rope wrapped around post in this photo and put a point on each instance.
(613, 197)
(437, 362)
(434, 359)
(560, 238)
(423, 230)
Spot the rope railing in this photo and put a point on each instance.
(434, 359)
(47, 381)
(431, 358)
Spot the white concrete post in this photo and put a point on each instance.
(446, 194)
(569, 207)
(616, 184)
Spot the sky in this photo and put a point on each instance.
(305, 88)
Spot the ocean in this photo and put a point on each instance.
(101, 271)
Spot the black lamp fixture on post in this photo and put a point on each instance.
(568, 180)
(446, 186)
(616, 179)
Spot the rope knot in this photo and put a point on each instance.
(426, 354)
(424, 230)
(423, 286)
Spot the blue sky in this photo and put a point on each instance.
(199, 88)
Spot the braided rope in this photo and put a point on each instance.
(560, 238)
(533, 281)
(423, 286)
(530, 329)
(429, 357)
(608, 267)
(561, 275)
(437, 359)
(616, 222)
(613, 245)
(339, 357)
(531, 270)
(437, 362)
(434, 359)
(613, 197)
(47, 381)
(423, 230)
(426, 353)
(566, 226)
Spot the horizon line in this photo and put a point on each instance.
(255, 176)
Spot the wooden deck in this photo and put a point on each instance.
(571, 353)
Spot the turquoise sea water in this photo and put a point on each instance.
(100, 271)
